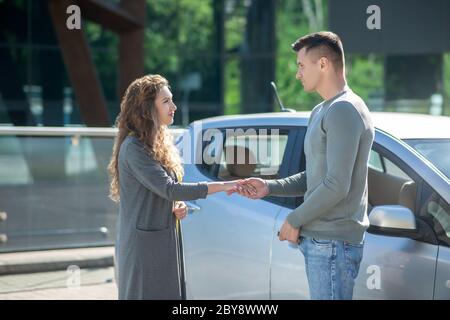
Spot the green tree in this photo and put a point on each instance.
(365, 75)
(447, 84)
(295, 19)
(292, 23)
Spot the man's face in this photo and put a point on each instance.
(308, 70)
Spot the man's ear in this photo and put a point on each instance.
(323, 62)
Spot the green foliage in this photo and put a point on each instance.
(365, 74)
(103, 44)
(235, 23)
(177, 31)
(291, 25)
(232, 89)
(447, 84)
(179, 38)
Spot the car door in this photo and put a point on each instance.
(395, 266)
(436, 212)
(287, 271)
(227, 239)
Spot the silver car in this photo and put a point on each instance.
(230, 244)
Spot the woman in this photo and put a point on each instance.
(144, 171)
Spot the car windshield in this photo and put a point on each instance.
(436, 151)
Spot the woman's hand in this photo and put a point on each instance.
(228, 186)
(180, 210)
(223, 186)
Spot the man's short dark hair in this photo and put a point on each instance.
(327, 42)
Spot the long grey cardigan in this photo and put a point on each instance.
(146, 253)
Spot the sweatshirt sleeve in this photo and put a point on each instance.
(292, 186)
(152, 176)
(343, 126)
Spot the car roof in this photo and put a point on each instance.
(412, 125)
(401, 125)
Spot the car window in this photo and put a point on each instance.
(252, 154)
(388, 183)
(375, 161)
(437, 151)
(436, 211)
(395, 170)
(231, 154)
(242, 153)
(209, 152)
(381, 163)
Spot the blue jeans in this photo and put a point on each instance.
(331, 267)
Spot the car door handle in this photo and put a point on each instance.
(192, 207)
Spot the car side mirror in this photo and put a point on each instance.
(393, 220)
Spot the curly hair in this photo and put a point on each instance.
(138, 116)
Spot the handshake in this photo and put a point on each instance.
(253, 188)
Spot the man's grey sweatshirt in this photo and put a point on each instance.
(337, 145)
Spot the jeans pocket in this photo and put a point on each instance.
(353, 245)
(353, 256)
(321, 242)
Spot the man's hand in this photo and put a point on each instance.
(180, 210)
(289, 233)
(253, 188)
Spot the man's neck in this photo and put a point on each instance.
(332, 87)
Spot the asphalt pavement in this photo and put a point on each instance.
(69, 274)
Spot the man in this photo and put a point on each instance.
(333, 217)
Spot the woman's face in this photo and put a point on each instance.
(165, 106)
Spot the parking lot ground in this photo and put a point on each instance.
(81, 284)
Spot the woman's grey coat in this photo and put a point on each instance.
(146, 246)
